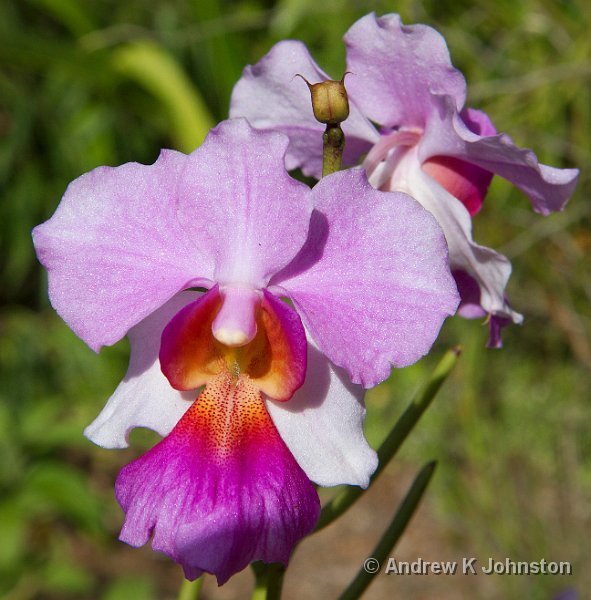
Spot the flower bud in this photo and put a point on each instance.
(329, 101)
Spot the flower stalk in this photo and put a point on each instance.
(333, 141)
(269, 580)
(330, 105)
(190, 590)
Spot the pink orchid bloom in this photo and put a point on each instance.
(255, 397)
(428, 144)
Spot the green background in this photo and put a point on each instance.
(84, 84)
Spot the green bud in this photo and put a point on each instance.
(329, 100)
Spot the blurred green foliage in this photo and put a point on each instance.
(85, 84)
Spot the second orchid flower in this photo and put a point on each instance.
(427, 144)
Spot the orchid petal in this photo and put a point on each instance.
(322, 425)
(470, 308)
(271, 97)
(222, 490)
(489, 269)
(396, 68)
(495, 327)
(465, 181)
(144, 398)
(234, 195)
(469, 290)
(372, 284)
(283, 370)
(477, 121)
(189, 354)
(114, 249)
(548, 188)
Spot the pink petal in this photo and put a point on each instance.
(464, 181)
(395, 70)
(222, 490)
(322, 425)
(548, 188)
(495, 326)
(115, 251)
(372, 283)
(144, 398)
(478, 122)
(237, 199)
(271, 97)
(469, 290)
(489, 269)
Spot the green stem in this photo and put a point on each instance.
(392, 534)
(190, 589)
(333, 141)
(341, 502)
(269, 580)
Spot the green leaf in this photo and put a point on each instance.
(155, 69)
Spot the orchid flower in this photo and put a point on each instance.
(428, 144)
(256, 397)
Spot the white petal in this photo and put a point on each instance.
(322, 425)
(490, 269)
(144, 398)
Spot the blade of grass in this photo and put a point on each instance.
(396, 528)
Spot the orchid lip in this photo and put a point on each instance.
(222, 489)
